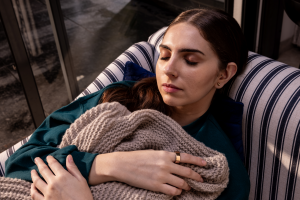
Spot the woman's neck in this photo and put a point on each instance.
(184, 115)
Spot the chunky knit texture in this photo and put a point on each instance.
(110, 127)
(14, 189)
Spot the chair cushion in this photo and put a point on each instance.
(270, 91)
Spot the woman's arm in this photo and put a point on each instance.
(147, 169)
(47, 137)
(156, 175)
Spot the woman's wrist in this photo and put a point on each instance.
(101, 169)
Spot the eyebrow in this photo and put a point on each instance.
(182, 50)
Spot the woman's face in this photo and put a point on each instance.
(188, 63)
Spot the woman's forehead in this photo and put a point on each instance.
(185, 36)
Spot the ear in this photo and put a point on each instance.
(225, 75)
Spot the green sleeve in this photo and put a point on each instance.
(45, 139)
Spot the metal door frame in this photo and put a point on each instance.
(22, 61)
(19, 53)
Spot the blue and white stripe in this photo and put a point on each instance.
(265, 125)
(293, 166)
(140, 53)
(7, 153)
(268, 90)
(156, 40)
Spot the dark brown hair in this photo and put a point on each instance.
(218, 28)
(143, 95)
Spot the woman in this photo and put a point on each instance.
(202, 50)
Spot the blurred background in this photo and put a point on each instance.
(50, 50)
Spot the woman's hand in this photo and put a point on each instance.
(147, 169)
(61, 184)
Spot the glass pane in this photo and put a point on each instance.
(34, 23)
(100, 30)
(180, 6)
(16, 122)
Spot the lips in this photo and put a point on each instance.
(169, 88)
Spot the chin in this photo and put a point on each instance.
(171, 101)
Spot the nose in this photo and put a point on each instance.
(170, 68)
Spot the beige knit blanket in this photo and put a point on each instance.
(110, 127)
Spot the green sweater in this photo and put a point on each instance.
(45, 139)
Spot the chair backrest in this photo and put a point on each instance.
(270, 91)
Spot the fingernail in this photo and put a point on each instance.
(36, 160)
(203, 162)
(201, 180)
(70, 159)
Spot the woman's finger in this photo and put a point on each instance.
(38, 182)
(177, 182)
(170, 190)
(188, 158)
(44, 169)
(34, 193)
(72, 168)
(55, 166)
(185, 172)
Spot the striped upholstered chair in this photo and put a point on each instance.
(270, 91)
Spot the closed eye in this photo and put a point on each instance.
(187, 61)
(191, 63)
(164, 58)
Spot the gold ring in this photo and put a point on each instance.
(177, 157)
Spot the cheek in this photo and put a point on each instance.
(158, 72)
(158, 69)
(198, 78)
(200, 82)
